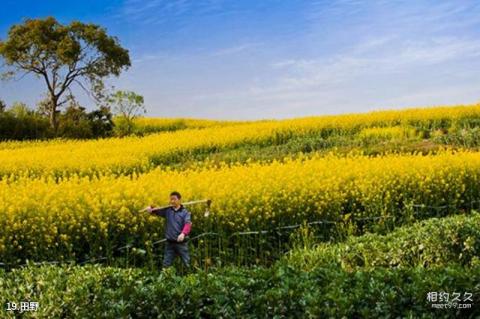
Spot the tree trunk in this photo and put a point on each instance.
(53, 114)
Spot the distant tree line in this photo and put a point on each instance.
(19, 122)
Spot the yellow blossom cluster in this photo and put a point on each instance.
(375, 134)
(152, 124)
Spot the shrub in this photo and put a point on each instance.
(280, 291)
(434, 242)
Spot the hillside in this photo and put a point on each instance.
(352, 215)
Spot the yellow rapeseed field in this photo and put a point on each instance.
(57, 219)
(157, 124)
(126, 155)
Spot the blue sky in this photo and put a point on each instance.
(277, 59)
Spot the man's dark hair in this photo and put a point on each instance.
(176, 194)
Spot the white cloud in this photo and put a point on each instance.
(367, 59)
(154, 12)
(139, 9)
(379, 72)
(240, 48)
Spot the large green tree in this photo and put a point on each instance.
(63, 55)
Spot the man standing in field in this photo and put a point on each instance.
(177, 225)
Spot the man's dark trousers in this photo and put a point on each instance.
(172, 249)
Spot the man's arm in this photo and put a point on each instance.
(188, 224)
(186, 227)
(160, 211)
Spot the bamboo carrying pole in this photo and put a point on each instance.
(207, 201)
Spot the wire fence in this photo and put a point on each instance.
(263, 246)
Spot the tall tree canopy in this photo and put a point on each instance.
(62, 55)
